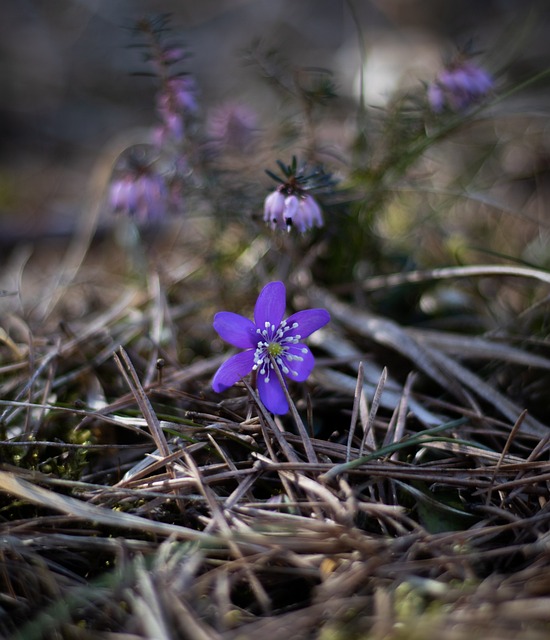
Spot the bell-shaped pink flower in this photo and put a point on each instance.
(309, 214)
(459, 86)
(273, 209)
(287, 211)
(292, 204)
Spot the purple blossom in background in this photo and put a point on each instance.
(268, 341)
(167, 56)
(274, 206)
(284, 212)
(183, 91)
(308, 214)
(291, 203)
(232, 126)
(170, 131)
(459, 86)
(149, 177)
(140, 196)
(175, 101)
(176, 97)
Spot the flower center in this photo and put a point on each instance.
(273, 347)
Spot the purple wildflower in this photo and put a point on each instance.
(459, 86)
(308, 214)
(300, 211)
(142, 196)
(291, 203)
(122, 195)
(274, 206)
(166, 56)
(268, 341)
(183, 91)
(232, 126)
(175, 101)
(169, 131)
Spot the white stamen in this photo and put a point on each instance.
(276, 340)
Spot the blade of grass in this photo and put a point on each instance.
(130, 375)
(355, 410)
(370, 416)
(416, 440)
(12, 484)
(445, 273)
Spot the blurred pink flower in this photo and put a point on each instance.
(122, 195)
(273, 209)
(286, 211)
(232, 126)
(183, 92)
(459, 86)
(140, 196)
(309, 214)
(175, 101)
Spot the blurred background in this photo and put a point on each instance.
(68, 90)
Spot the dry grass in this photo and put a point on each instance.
(405, 496)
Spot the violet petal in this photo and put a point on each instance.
(235, 329)
(302, 367)
(272, 394)
(308, 321)
(270, 305)
(233, 370)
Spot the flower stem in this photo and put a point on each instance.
(308, 447)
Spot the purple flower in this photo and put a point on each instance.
(459, 86)
(308, 214)
(436, 98)
(171, 129)
(142, 196)
(123, 196)
(152, 197)
(183, 91)
(286, 211)
(267, 342)
(232, 126)
(291, 203)
(171, 54)
(274, 206)
(175, 101)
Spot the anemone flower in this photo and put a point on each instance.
(268, 342)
